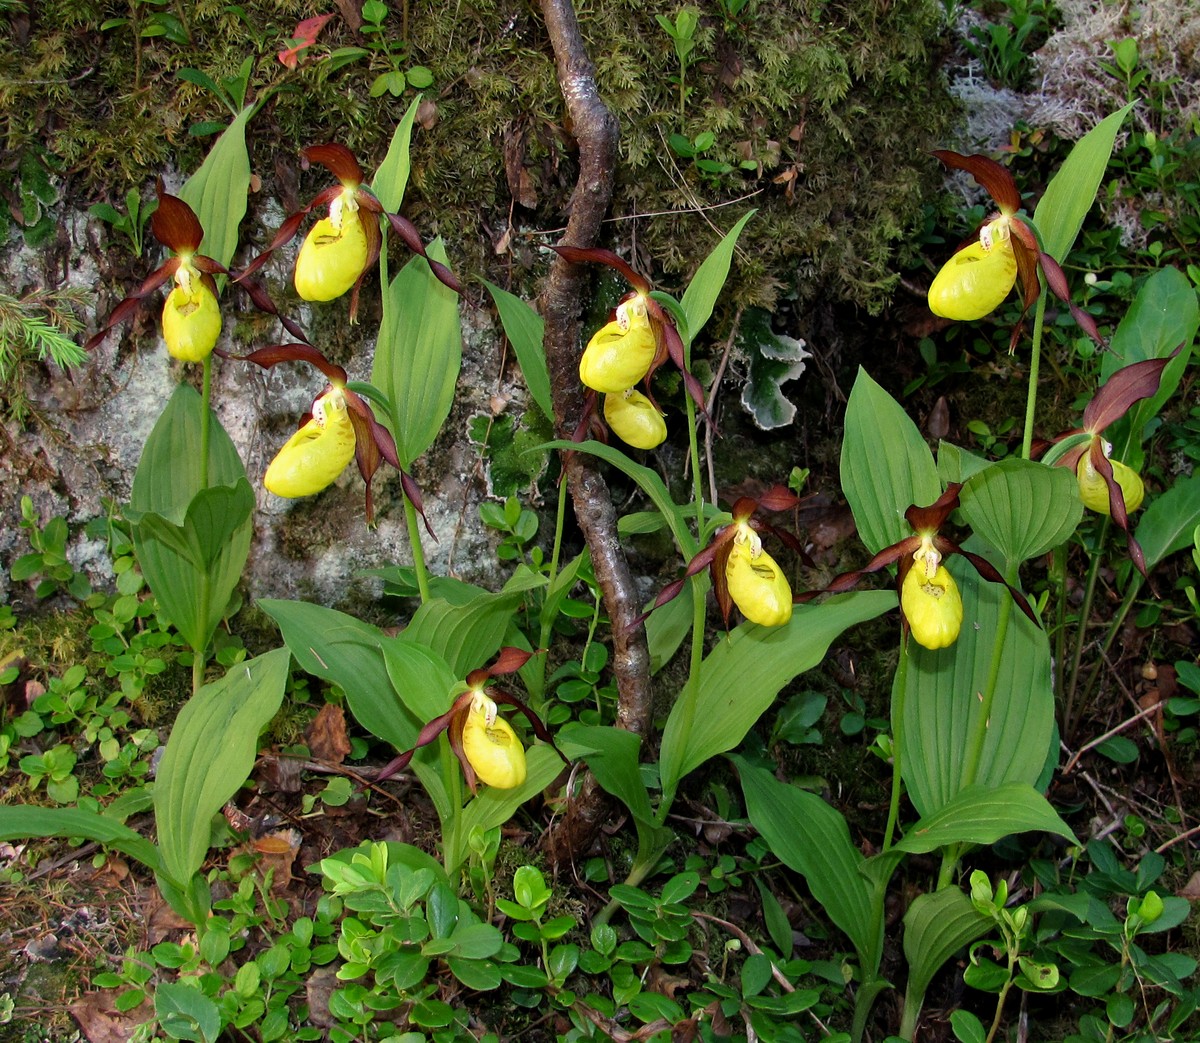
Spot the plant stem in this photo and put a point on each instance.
(199, 654)
(418, 551)
(1114, 628)
(698, 602)
(1035, 356)
(979, 736)
(1058, 583)
(898, 701)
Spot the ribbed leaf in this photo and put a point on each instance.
(942, 702)
(524, 328)
(24, 823)
(1021, 508)
(210, 753)
(983, 815)
(167, 484)
(709, 280)
(1163, 316)
(1072, 190)
(742, 675)
(421, 678)
(339, 648)
(936, 926)
(886, 465)
(466, 636)
(391, 179)
(217, 192)
(1170, 520)
(809, 836)
(419, 353)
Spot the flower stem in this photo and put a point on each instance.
(979, 735)
(418, 551)
(199, 655)
(698, 606)
(1039, 318)
(898, 701)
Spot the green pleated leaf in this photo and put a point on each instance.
(809, 836)
(886, 465)
(668, 625)
(210, 753)
(217, 192)
(213, 519)
(936, 926)
(466, 635)
(524, 328)
(942, 701)
(709, 280)
(193, 571)
(742, 675)
(422, 679)
(956, 464)
(339, 648)
(391, 179)
(1163, 316)
(24, 823)
(1021, 508)
(983, 815)
(1072, 190)
(1170, 520)
(418, 353)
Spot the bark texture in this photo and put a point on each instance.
(596, 133)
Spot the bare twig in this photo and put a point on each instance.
(1109, 734)
(596, 132)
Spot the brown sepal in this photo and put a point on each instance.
(130, 304)
(175, 225)
(407, 231)
(1126, 386)
(274, 354)
(1056, 279)
(995, 179)
(337, 159)
(1116, 502)
(598, 255)
(933, 517)
(720, 580)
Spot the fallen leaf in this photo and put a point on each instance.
(101, 1022)
(326, 736)
(305, 36)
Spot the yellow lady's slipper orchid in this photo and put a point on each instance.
(491, 746)
(756, 582)
(976, 280)
(1093, 489)
(316, 454)
(191, 318)
(932, 605)
(634, 419)
(620, 353)
(334, 253)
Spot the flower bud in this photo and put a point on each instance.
(1093, 489)
(492, 748)
(316, 454)
(191, 321)
(620, 353)
(976, 280)
(634, 420)
(932, 606)
(332, 258)
(757, 585)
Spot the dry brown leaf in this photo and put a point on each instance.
(326, 735)
(100, 1022)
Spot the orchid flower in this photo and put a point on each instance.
(340, 248)
(634, 419)
(340, 426)
(1109, 486)
(638, 339)
(743, 573)
(975, 281)
(930, 603)
(191, 317)
(485, 744)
